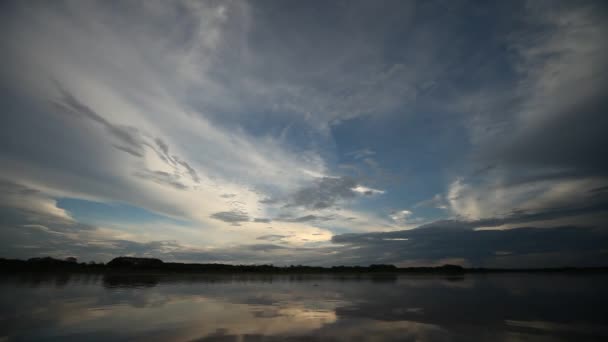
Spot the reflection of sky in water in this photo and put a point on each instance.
(493, 308)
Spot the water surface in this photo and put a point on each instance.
(501, 307)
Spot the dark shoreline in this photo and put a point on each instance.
(129, 265)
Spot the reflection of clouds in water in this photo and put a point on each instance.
(356, 330)
(372, 330)
(198, 316)
(414, 308)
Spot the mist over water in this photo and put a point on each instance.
(499, 307)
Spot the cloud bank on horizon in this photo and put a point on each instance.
(322, 133)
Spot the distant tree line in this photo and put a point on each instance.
(134, 265)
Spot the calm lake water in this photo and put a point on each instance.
(508, 307)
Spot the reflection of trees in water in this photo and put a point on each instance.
(60, 279)
(151, 280)
(130, 281)
(144, 280)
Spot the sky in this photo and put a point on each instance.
(306, 132)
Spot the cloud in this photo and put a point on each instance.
(269, 201)
(231, 216)
(128, 139)
(403, 217)
(263, 247)
(367, 191)
(162, 177)
(305, 218)
(360, 154)
(458, 239)
(226, 119)
(131, 140)
(272, 237)
(528, 201)
(32, 224)
(561, 90)
(30, 221)
(436, 201)
(326, 192)
(537, 141)
(126, 128)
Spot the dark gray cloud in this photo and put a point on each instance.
(556, 144)
(458, 240)
(321, 193)
(263, 247)
(324, 192)
(128, 139)
(162, 150)
(263, 220)
(272, 237)
(162, 145)
(191, 171)
(234, 217)
(162, 177)
(305, 218)
(552, 124)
